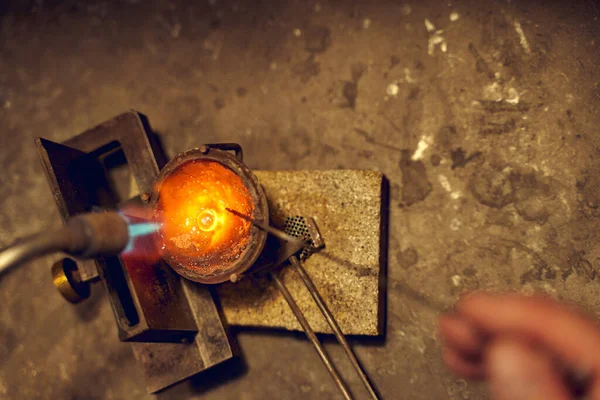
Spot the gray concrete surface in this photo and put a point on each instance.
(485, 122)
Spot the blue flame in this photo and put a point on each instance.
(139, 229)
(143, 228)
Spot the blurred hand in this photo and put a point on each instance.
(524, 347)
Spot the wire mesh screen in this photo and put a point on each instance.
(296, 226)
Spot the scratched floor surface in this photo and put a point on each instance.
(483, 115)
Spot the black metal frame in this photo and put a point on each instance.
(170, 321)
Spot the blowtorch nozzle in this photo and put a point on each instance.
(85, 236)
(96, 234)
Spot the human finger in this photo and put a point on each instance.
(573, 338)
(461, 334)
(518, 371)
(462, 365)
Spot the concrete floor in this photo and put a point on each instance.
(483, 115)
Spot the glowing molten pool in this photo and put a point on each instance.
(197, 231)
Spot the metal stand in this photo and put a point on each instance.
(174, 326)
(302, 236)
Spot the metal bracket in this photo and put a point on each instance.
(150, 302)
(236, 148)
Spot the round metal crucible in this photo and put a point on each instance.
(199, 238)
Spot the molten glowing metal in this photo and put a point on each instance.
(207, 220)
(197, 230)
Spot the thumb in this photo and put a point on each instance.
(517, 371)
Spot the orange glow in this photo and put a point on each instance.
(197, 230)
(207, 220)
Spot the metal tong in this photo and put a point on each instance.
(292, 246)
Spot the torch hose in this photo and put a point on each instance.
(83, 236)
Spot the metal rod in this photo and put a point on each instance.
(311, 336)
(265, 227)
(322, 307)
(333, 324)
